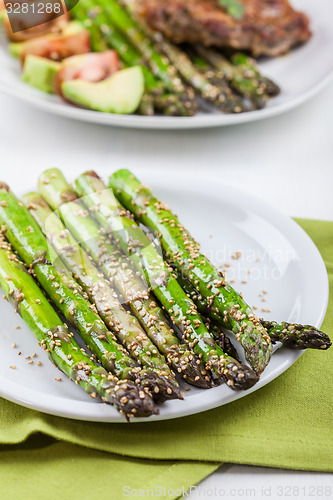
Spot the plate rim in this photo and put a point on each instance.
(103, 413)
(163, 122)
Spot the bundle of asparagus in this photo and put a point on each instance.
(148, 322)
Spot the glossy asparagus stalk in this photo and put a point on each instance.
(249, 68)
(117, 269)
(246, 83)
(161, 67)
(97, 42)
(217, 331)
(214, 76)
(23, 292)
(148, 261)
(220, 95)
(184, 253)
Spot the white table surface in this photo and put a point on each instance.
(286, 160)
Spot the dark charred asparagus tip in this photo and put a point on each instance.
(160, 386)
(239, 377)
(130, 400)
(272, 89)
(194, 376)
(297, 336)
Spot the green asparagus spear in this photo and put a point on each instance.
(97, 42)
(291, 335)
(145, 257)
(246, 83)
(25, 235)
(65, 294)
(160, 66)
(116, 267)
(250, 69)
(53, 336)
(296, 336)
(221, 95)
(126, 327)
(219, 335)
(214, 76)
(184, 252)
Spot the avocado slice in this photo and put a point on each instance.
(120, 93)
(40, 72)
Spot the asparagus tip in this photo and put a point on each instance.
(161, 386)
(131, 400)
(194, 374)
(297, 336)
(239, 376)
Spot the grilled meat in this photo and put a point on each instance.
(267, 27)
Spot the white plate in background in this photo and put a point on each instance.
(300, 74)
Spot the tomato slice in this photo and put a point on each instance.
(57, 47)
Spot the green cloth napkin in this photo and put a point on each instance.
(286, 424)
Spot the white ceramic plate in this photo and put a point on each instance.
(300, 74)
(276, 251)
